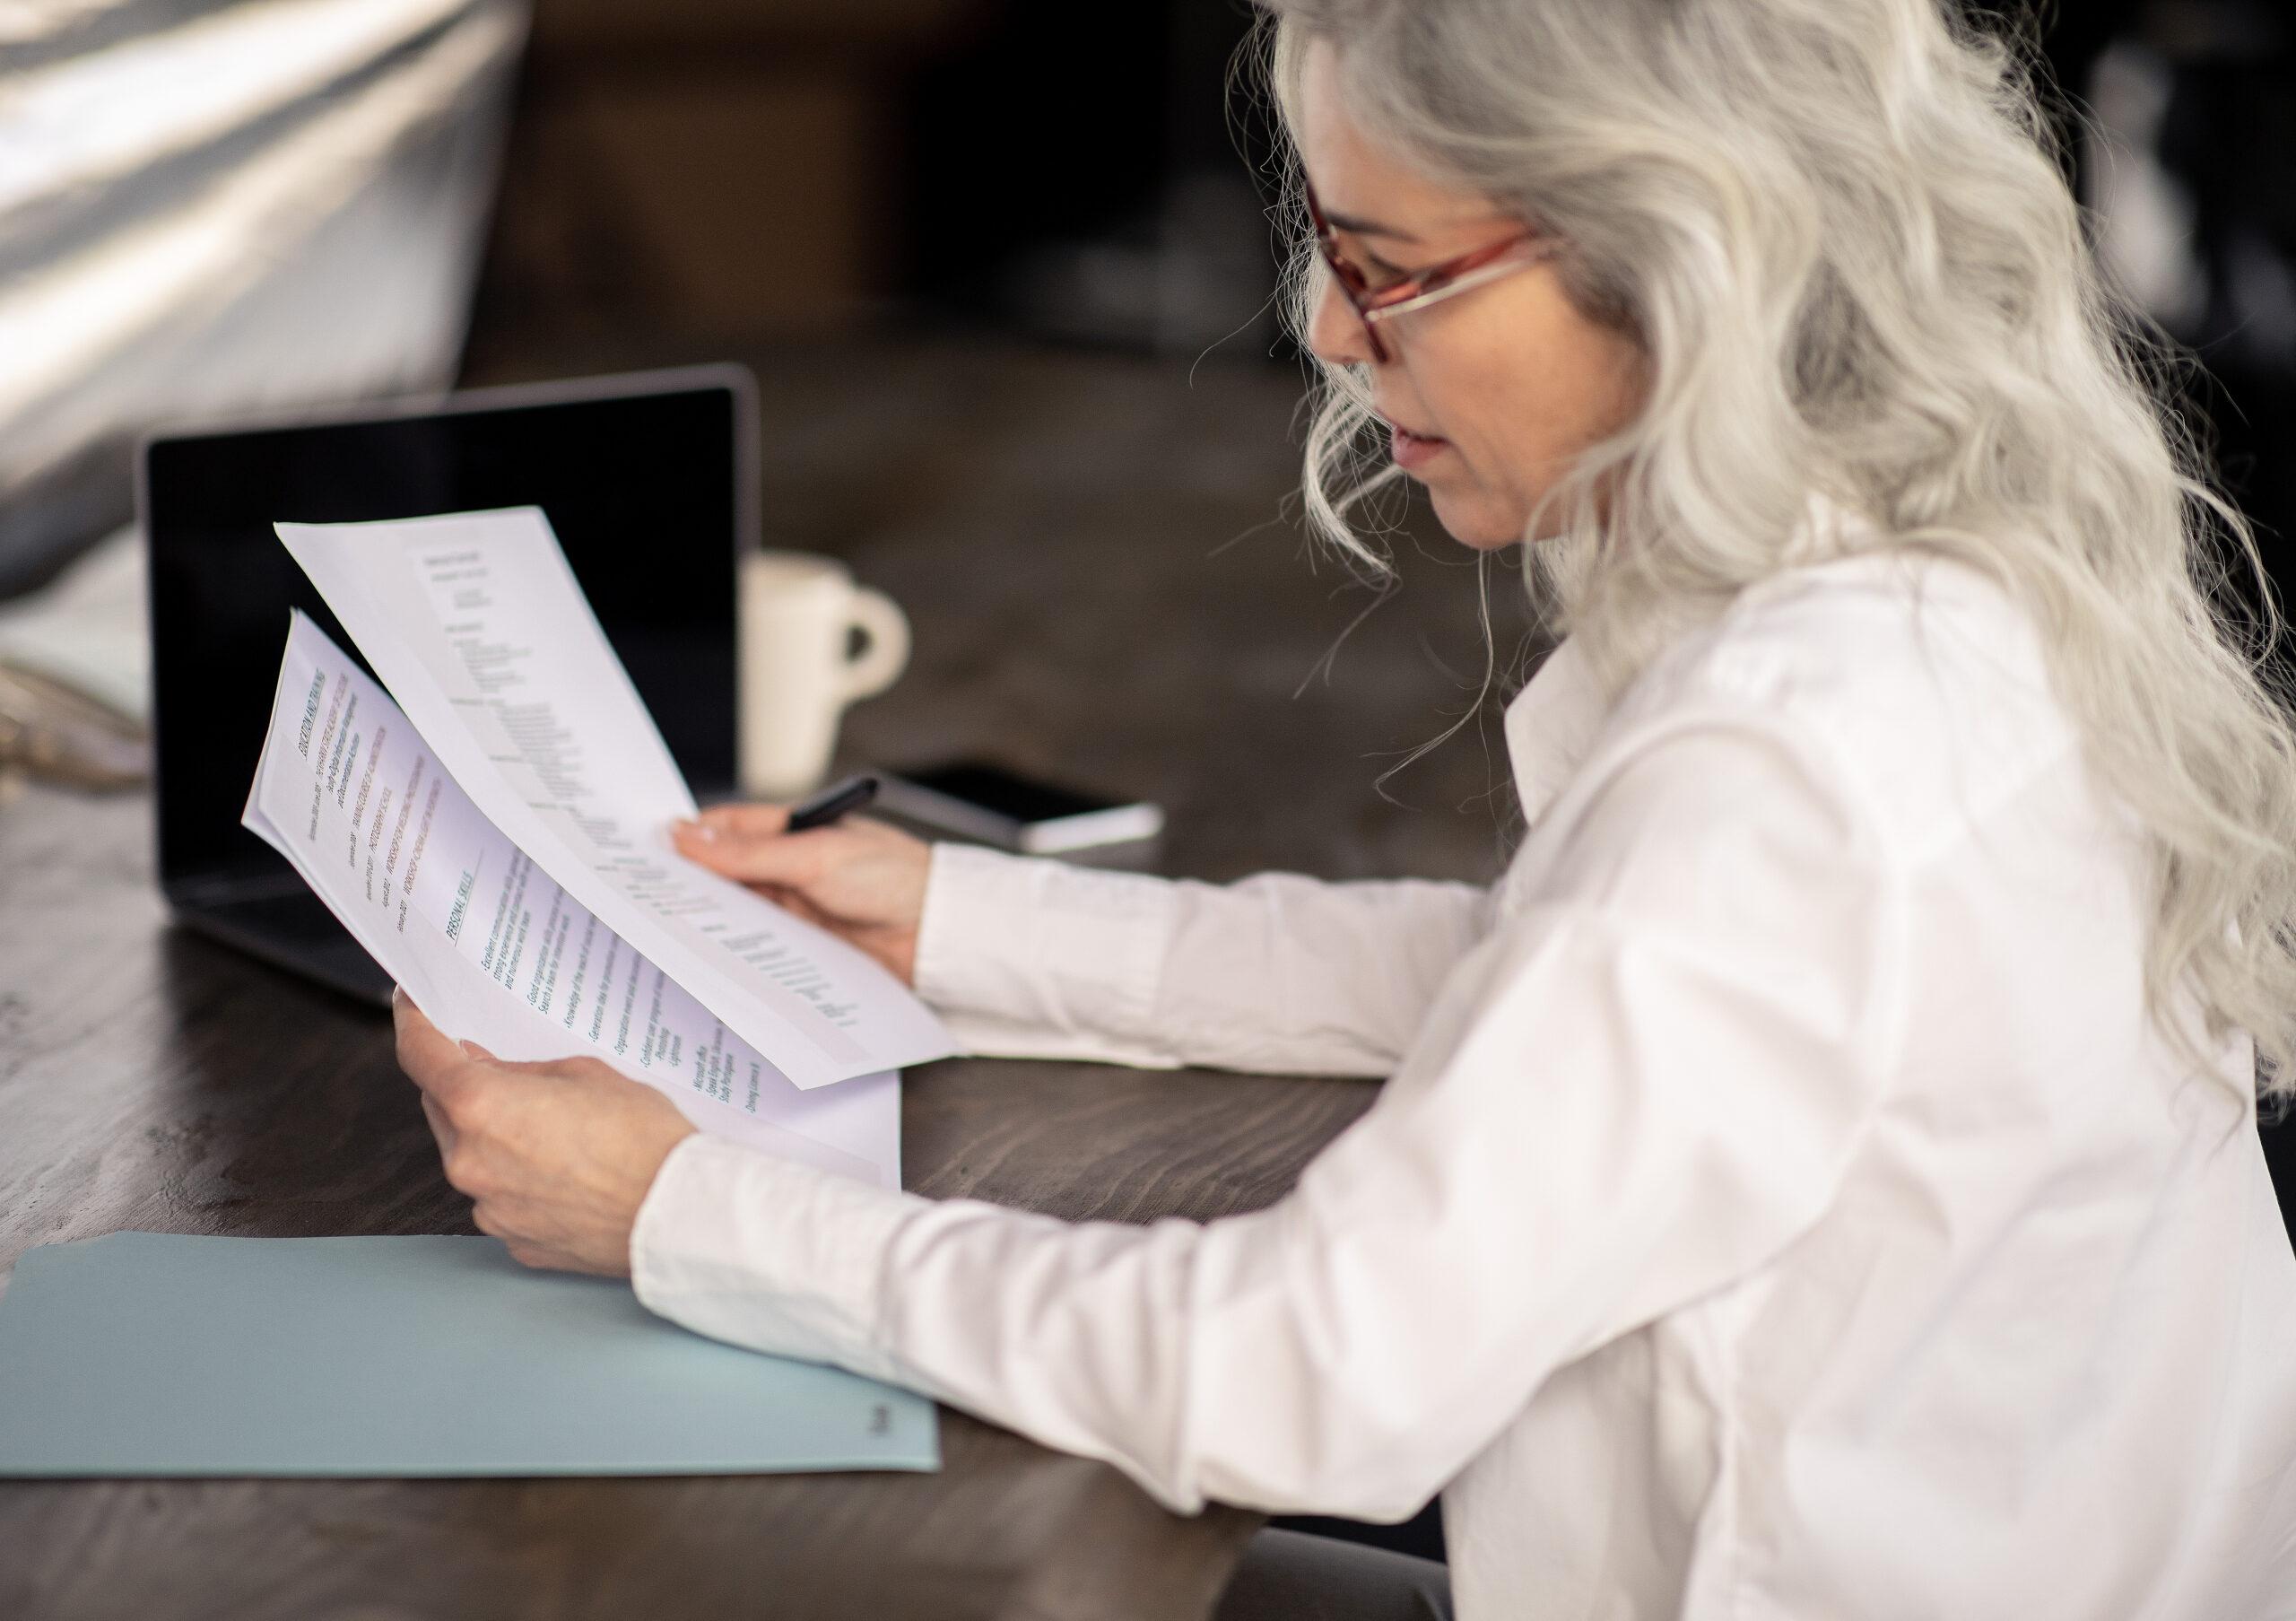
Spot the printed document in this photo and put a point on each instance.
(475, 624)
(496, 950)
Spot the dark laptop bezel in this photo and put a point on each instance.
(254, 902)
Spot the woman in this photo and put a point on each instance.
(1820, 1179)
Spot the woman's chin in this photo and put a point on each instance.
(1482, 525)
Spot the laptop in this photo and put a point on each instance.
(650, 481)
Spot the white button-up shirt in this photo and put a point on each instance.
(1780, 1204)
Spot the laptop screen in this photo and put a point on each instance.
(649, 482)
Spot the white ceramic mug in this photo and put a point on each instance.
(799, 669)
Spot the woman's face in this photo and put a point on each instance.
(1489, 395)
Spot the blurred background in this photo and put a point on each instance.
(213, 206)
(995, 262)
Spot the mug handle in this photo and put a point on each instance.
(881, 662)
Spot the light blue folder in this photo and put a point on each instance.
(153, 1354)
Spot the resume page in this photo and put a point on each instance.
(478, 627)
(491, 947)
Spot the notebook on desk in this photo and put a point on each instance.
(151, 1353)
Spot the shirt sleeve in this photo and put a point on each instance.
(1280, 974)
(1638, 1091)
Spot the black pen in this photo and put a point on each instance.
(832, 802)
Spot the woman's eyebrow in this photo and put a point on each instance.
(1366, 228)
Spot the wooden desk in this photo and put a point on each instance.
(1051, 524)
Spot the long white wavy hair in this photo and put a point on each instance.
(1839, 233)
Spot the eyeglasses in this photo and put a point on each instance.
(1373, 305)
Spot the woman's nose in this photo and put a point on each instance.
(1336, 333)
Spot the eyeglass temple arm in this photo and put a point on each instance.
(1473, 278)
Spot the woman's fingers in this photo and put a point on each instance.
(793, 901)
(863, 879)
(431, 1061)
(740, 821)
(754, 857)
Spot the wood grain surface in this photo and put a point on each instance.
(1090, 551)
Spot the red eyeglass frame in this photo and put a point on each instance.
(1372, 306)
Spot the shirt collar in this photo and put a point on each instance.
(1551, 724)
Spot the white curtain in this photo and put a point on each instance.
(214, 208)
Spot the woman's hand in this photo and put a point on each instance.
(558, 1156)
(860, 879)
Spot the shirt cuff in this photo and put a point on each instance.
(1033, 944)
(767, 1253)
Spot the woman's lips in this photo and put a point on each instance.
(1413, 450)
